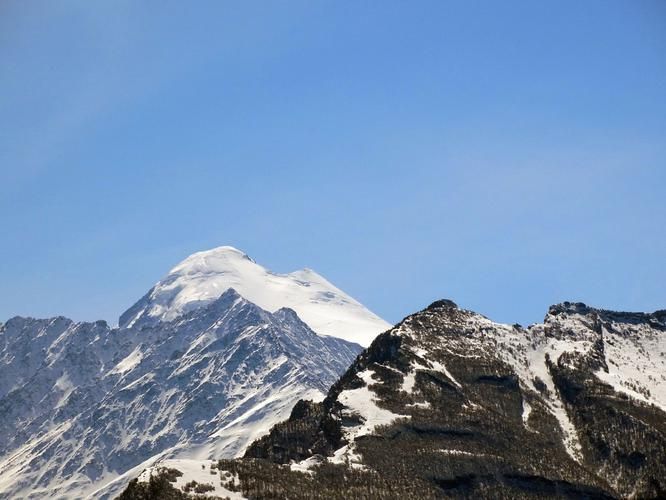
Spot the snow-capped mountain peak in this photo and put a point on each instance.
(203, 276)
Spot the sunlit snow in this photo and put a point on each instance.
(204, 276)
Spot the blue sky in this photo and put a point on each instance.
(508, 155)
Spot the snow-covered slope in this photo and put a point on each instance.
(204, 276)
(83, 405)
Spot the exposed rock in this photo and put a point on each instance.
(572, 408)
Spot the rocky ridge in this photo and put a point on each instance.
(82, 404)
(449, 403)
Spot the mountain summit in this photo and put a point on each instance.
(202, 277)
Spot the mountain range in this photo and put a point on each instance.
(195, 369)
(449, 404)
(228, 380)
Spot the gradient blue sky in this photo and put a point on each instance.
(507, 155)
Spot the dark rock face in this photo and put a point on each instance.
(442, 304)
(624, 441)
(449, 403)
(309, 431)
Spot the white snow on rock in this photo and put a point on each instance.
(362, 404)
(527, 409)
(130, 362)
(408, 382)
(204, 276)
(306, 465)
(65, 385)
(637, 364)
(203, 472)
(348, 455)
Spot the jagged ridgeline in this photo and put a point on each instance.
(451, 404)
(195, 369)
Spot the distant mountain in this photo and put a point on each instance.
(84, 407)
(451, 404)
(204, 276)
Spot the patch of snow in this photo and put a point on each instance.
(423, 404)
(527, 409)
(462, 453)
(363, 403)
(129, 363)
(200, 471)
(457, 452)
(571, 441)
(306, 465)
(349, 456)
(64, 385)
(636, 364)
(440, 367)
(431, 364)
(408, 382)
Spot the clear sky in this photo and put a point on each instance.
(507, 155)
